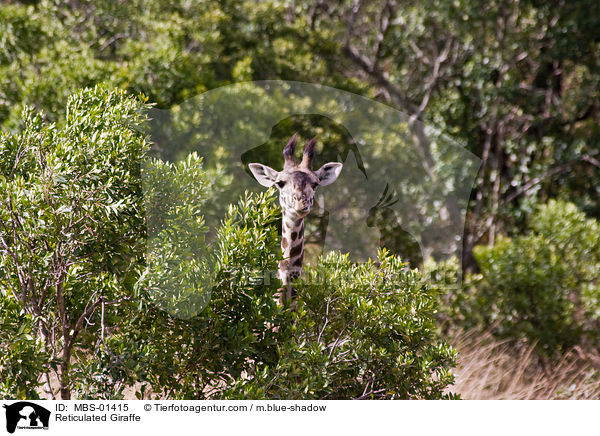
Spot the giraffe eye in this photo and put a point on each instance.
(280, 183)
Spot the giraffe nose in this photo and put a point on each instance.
(302, 206)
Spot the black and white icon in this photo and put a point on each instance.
(26, 415)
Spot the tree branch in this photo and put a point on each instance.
(554, 171)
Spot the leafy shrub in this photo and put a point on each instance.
(543, 286)
(198, 357)
(23, 359)
(71, 221)
(361, 331)
(178, 254)
(454, 302)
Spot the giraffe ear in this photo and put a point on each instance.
(265, 175)
(328, 173)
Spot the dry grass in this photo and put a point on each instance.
(492, 369)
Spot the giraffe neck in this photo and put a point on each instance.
(292, 245)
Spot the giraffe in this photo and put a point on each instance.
(296, 184)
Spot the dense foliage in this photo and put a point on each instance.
(119, 274)
(198, 357)
(544, 285)
(361, 331)
(23, 357)
(72, 226)
(541, 286)
(184, 319)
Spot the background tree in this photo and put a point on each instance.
(71, 224)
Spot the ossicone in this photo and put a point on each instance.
(288, 152)
(308, 154)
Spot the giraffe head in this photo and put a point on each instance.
(297, 182)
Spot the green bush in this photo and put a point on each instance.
(455, 295)
(71, 225)
(198, 357)
(361, 331)
(23, 359)
(543, 286)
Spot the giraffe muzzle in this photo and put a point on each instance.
(303, 210)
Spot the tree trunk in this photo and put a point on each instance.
(65, 385)
(65, 390)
